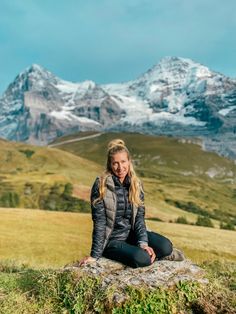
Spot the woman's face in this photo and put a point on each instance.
(120, 165)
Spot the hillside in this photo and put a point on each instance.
(26, 172)
(179, 177)
(180, 180)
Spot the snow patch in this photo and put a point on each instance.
(67, 115)
(67, 87)
(213, 172)
(225, 111)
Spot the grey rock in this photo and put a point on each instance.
(160, 274)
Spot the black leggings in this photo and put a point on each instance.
(128, 253)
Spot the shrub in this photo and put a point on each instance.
(196, 209)
(68, 189)
(204, 222)
(188, 206)
(154, 219)
(9, 199)
(63, 200)
(28, 153)
(227, 225)
(181, 220)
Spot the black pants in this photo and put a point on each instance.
(128, 253)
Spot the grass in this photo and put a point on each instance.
(32, 241)
(35, 243)
(46, 165)
(43, 238)
(52, 239)
(42, 169)
(171, 169)
(24, 290)
(199, 243)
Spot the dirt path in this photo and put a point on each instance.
(75, 140)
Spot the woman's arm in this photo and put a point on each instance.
(140, 226)
(99, 222)
(141, 231)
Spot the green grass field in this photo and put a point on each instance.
(173, 173)
(43, 239)
(175, 170)
(42, 167)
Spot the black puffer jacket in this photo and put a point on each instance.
(122, 220)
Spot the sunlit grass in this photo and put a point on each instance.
(171, 169)
(199, 243)
(41, 238)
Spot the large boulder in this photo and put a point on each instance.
(159, 274)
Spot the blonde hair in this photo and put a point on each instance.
(116, 146)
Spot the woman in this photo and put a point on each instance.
(119, 231)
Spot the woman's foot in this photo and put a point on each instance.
(176, 255)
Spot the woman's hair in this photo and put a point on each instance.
(117, 146)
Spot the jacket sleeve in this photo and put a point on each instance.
(99, 222)
(140, 226)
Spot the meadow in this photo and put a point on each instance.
(180, 180)
(49, 239)
(37, 244)
(174, 171)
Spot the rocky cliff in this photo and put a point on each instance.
(177, 97)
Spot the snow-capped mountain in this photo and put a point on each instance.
(180, 91)
(176, 97)
(38, 107)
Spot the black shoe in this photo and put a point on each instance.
(176, 255)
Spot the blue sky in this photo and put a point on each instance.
(114, 40)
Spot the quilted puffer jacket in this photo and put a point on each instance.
(104, 215)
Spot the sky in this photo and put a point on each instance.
(110, 41)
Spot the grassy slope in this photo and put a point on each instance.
(45, 166)
(173, 170)
(169, 168)
(73, 135)
(41, 238)
(45, 163)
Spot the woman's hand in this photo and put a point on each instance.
(87, 260)
(150, 252)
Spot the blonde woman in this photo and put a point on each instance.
(119, 230)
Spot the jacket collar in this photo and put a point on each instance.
(126, 182)
(112, 181)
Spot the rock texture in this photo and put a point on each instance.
(159, 274)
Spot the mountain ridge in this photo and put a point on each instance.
(176, 97)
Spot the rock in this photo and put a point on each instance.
(159, 274)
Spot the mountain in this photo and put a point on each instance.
(38, 107)
(177, 97)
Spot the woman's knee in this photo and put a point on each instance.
(167, 247)
(160, 244)
(141, 259)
